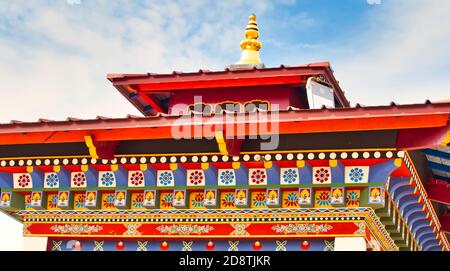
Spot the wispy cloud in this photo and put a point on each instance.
(404, 56)
(55, 60)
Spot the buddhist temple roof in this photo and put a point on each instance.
(289, 113)
(140, 89)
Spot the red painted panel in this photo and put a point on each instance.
(438, 191)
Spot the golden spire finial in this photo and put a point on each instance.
(250, 45)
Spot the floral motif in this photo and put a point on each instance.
(258, 176)
(239, 230)
(137, 178)
(290, 176)
(228, 200)
(226, 177)
(24, 180)
(132, 229)
(80, 200)
(107, 179)
(196, 177)
(167, 200)
(322, 175)
(166, 178)
(52, 201)
(323, 199)
(184, 229)
(352, 198)
(108, 201)
(291, 200)
(76, 228)
(197, 201)
(361, 228)
(260, 199)
(302, 228)
(356, 174)
(79, 179)
(51, 180)
(138, 201)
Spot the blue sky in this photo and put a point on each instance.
(55, 54)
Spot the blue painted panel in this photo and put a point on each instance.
(180, 176)
(64, 178)
(91, 177)
(6, 180)
(194, 245)
(379, 173)
(437, 166)
(121, 175)
(211, 175)
(337, 173)
(242, 175)
(305, 174)
(150, 176)
(273, 174)
(37, 177)
(437, 153)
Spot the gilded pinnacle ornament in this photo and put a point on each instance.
(251, 45)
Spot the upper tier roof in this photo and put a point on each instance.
(142, 90)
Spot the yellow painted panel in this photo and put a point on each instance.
(290, 199)
(227, 200)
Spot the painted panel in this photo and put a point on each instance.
(166, 199)
(273, 197)
(179, 198)
(257, 176)
(51, 180)
(165, 178)
(322, 199)
(321, 175)
(305, 196)
(106, 179)
(195, 177)
(108, 200)
(136, 178)
(22, 180)
(337, 195)
(258, 199)
(137, 201)
(210, 198)
(359, 174)
(52, 202)
(290, 199)
(289, 176)
(376, 195)
(352, 198)
(227, 200)
(78, 179)
(196, 200)
(226, 177)
(149, 198)
(79, 200)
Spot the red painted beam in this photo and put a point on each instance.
(421, 138)
(220, 83)
(445, 222)
(292, 122)
(438, 191)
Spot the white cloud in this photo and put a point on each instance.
(60, 53)
(403, 57)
